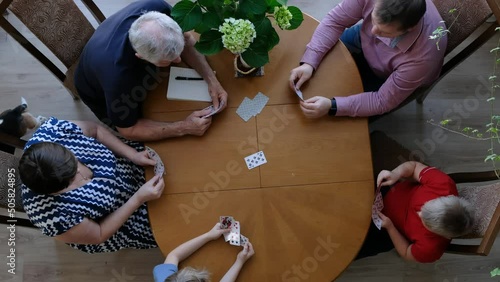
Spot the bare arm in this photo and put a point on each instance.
(235, 269)
(405, 170)
(197, 61)
(403, 247)
(186, 249)
(150, 130)
(92, 232)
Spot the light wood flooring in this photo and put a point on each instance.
(40, 258)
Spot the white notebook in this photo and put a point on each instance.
(189, 89)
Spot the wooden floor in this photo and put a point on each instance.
(40, 258)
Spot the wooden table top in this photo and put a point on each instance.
(307, 210)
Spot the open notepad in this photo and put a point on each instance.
(189, 90)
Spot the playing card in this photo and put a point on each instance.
(299, 93)
(255, 160)
(235, 240)
(159, 167)
(245, 110)
(213, 110)
(226, 221)
(243, 240)
(234, 234)
(259, 101)
(378, 205)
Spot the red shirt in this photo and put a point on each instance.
(405, 199)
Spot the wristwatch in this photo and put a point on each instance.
(333, 108)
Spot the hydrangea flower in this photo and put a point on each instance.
(237, 34)
(282, 16)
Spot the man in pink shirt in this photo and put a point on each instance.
(391, 47)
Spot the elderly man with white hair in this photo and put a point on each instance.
(121, 63)
(420, 216)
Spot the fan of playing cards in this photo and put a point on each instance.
(159, 167)
(234, 237)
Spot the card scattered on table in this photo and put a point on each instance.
(234, 237)
(159, 167)
(255, 160)
(378, 205)
(252, 107)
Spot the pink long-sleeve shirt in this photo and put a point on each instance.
(415, 60)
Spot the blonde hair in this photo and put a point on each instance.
(448, 216)
(189, 274)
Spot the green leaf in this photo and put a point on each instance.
(256, 55)
(252, 7)
(497, 29)
(479, 135)
(492, 77)
(266, 34)
(495, 117)
(466, 129)
(490, 157)
(494, 49)
(282, 2)
(210, 3)
(489, 124)
(451, 11)
(445, 122)
(187, 14)
(495, 272)
(210, 43)
(210, 20)
(490, 99)
(297, 19)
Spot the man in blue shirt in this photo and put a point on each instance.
(119, 65)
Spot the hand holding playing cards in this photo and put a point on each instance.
(218, 94)
(316, 106)
(216, 231)
(386, 178)
(195, 124)
(142, 159)
(246, 253)
(300, 74)
(386, 222)
(151, 190)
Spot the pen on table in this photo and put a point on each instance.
(188, 78)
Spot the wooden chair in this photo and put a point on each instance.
(469, 17)
(388, 154)
(486, 201)
(8, 183)
(60, 25)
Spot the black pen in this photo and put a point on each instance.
(188, 78)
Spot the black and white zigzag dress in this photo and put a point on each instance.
(115, 180)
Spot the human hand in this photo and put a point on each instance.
(151, 190)
(195, 124)
(246, 253)
(218, 94)
(386, 178)
(386, 222)
(142, 159)
(301, 74)
(316, 106)
(216, 231)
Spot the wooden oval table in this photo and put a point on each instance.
(307, 210)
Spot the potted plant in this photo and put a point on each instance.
(241, 26)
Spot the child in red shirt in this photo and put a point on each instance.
(421, 215)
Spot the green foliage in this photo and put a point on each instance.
(495, 272)
(208, 16)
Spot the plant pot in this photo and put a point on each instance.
(242, 69)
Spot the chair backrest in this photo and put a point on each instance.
(10, 191)
(58, 24)
(486, 202)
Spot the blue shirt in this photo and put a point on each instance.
(110, 79)
(162, 271)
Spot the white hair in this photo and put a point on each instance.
(155, 37)
(448, 216)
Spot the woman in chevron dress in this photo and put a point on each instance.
(85, 187)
